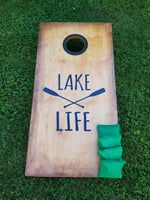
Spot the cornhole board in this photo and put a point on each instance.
(63, 141)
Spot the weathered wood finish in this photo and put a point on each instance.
(70, 154)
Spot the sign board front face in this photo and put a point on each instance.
(73, 92)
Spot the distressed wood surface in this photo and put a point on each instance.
(54, 153)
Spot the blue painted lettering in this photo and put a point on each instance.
(75, 83)
(68, 121)
(59, 88)
(86, 81)
(57, 122)
(77, 80)
(67, 82)
(77, 120)
(85, 121)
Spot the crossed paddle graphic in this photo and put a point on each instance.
(93, 94)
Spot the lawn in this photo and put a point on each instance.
(19, 31)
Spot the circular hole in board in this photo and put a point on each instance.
(75, 44)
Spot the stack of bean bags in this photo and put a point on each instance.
(110, 151)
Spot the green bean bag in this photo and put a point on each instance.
(111, 153)
(109, 141)
(111, 168)
(104, 130)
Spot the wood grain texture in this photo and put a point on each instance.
(54, 153)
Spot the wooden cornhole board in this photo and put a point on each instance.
(63, 142)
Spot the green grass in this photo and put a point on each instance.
(18, 40)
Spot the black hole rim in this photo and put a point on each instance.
(72, 36)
